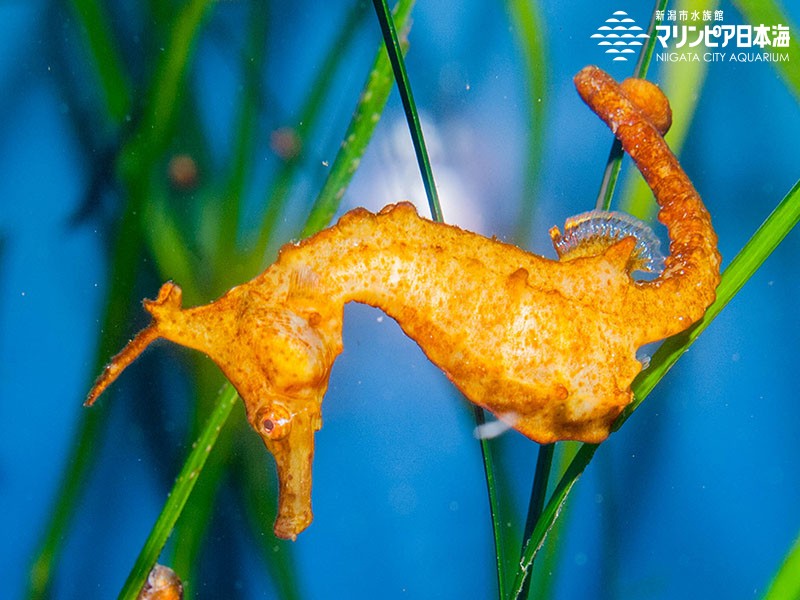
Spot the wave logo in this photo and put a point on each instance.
(618, 35)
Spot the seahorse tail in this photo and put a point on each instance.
(638, 114)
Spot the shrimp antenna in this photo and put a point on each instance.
(126, 356)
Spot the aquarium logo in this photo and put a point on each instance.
(619, 35)
(703, 36)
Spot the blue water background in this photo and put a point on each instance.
(697, 496)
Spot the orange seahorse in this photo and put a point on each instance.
(548, 344)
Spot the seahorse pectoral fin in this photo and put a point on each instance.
(291, 442)
(620, 254)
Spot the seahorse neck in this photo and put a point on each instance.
(378, 260)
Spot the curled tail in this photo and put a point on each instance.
(638, 114)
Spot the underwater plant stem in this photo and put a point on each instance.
(549, 515)
(193, 525)
(490, 475)
(614, 161)
(409, 106)
(544, 463)
(548, 560)
(184, 484)
(610, 176)
(763, 242)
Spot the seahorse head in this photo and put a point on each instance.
(280, 365)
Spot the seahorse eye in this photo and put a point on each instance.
(275, 422)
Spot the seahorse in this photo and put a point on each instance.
(549, 344)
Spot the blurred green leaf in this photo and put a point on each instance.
(786, 583)
(162, 103)
(528, 25)
(169, 249)
(770, 13)
(108, 63)
(225, 214)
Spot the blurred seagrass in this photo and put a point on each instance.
(786, 583)
(126, 250)
(528, 25)
(769, 12)
(110, 72)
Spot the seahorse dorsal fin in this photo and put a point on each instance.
(595, 232)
